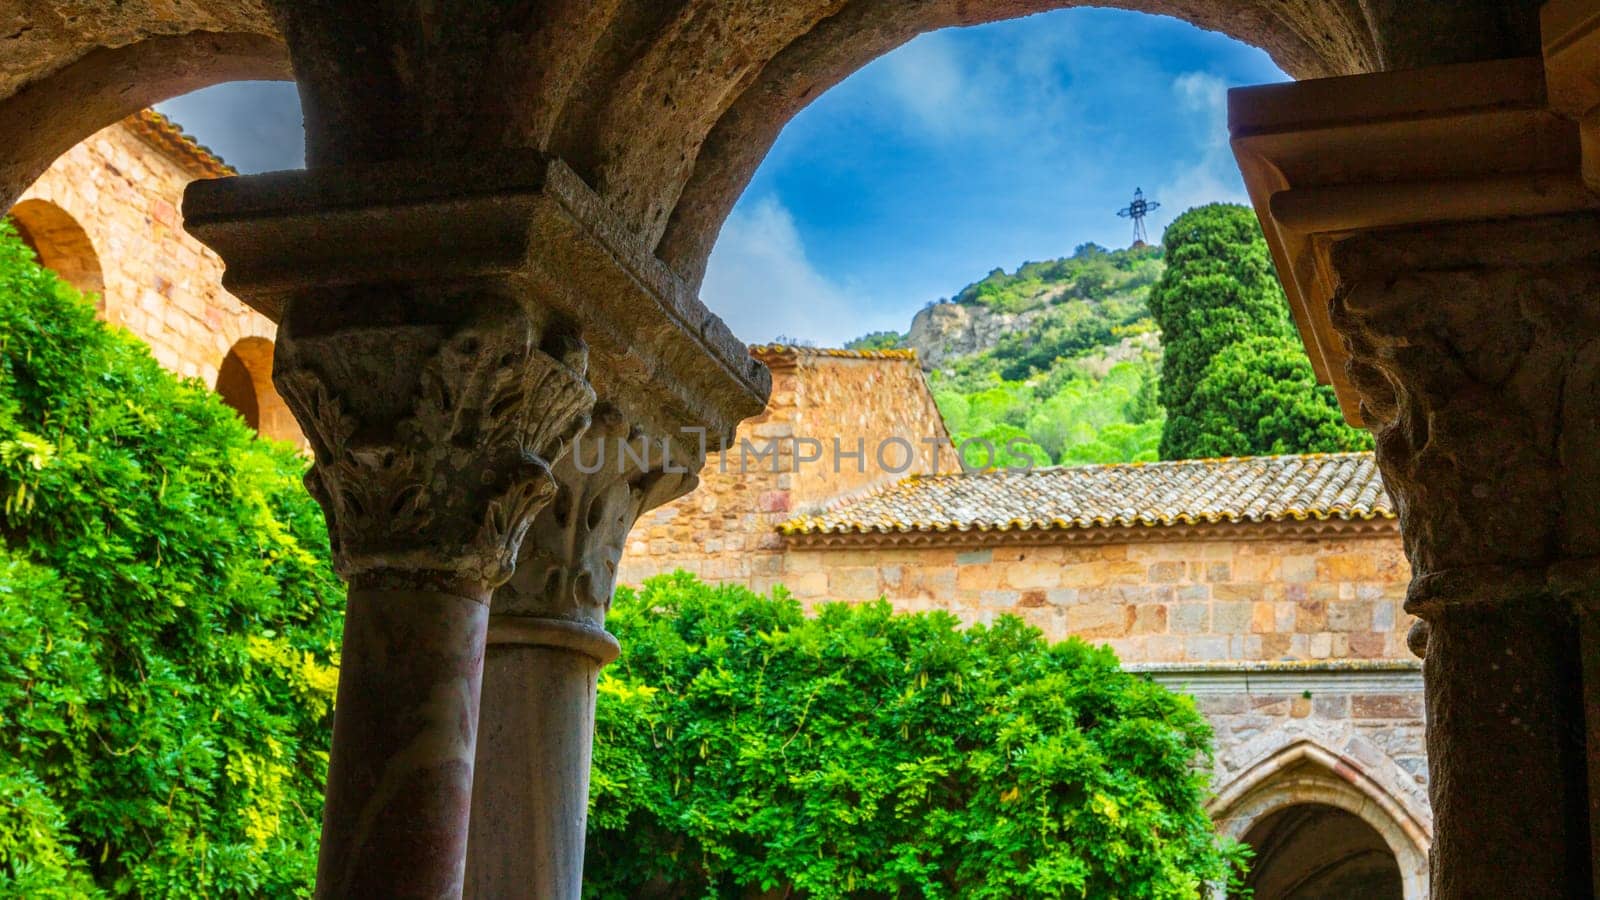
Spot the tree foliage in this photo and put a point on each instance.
(168, 622)
(877, 340)
(1261, 394)
(743, 747)
(1221, 309)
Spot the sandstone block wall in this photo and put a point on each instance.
(1180, 600)
(118, 197)
(1203, 594)
(727, 528)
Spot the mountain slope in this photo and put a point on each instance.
(1055, 362)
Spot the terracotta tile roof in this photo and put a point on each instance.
(765, 352)
(1241, 489)
(165, 135)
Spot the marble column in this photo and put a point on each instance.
(547, 642)
(444, 331)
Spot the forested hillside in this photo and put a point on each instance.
(1062, 361)
(1063, 352)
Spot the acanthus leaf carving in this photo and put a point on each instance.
(568, 568)
(451, 486)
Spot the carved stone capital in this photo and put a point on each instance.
(430, 324)
(447, 480)
(1333, 157)
(615, 473)
(1475, 351)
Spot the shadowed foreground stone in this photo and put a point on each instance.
(1476, 348)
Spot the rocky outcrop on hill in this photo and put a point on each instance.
(944, 331)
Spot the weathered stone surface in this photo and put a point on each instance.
(446, 480)
(87, 87)
(400, 772)
(546, 645)
(439, 390)
(666, 110)
(1474, 348)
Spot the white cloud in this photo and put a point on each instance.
(946, 89)
(925, 78)
(1213, 175)
(1206, 94)
(761, 283)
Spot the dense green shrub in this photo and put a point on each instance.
(168, 622)
(743, 747)
(1219, 291)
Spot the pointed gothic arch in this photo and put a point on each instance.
(1305, 774)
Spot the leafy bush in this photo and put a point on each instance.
(169, 622)
(744, 748)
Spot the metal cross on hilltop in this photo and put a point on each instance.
(1137, 210)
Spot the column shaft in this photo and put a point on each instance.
(400, 769)
(533, 798)
(546, 646)
(1506, 752)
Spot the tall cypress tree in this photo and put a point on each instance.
(1223, 319)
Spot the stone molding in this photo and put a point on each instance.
(502, 284)
(1317, 676)
(561, 634)
(1323, 160)
(517, 222)
(1295, 529)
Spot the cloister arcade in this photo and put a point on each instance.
(496, 244)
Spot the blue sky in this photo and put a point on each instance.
(964, 150)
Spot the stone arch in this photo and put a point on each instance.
(587, 81)
(1306, 774)
(60, 244)
(104, 85)
(1306, 40)
(1311, 850)
(244, 381)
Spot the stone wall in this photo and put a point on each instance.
(106, 216)
(1200, 593)
(727, 528)
(1186, 596)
